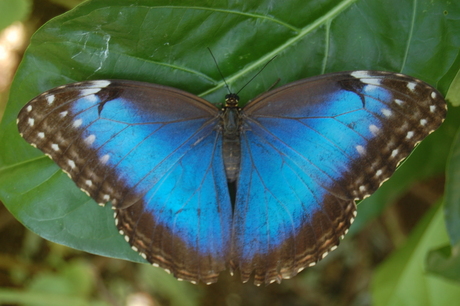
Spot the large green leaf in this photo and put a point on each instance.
(453, 95)
(452, 209)
(445, 260)
(165, 43)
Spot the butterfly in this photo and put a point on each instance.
(299, 156)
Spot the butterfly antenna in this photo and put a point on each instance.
(222, 76)
(257, 74)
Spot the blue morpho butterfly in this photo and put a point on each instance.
(299, 156)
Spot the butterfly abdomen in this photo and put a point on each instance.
(231, 154)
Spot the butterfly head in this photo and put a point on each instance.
(231, 100)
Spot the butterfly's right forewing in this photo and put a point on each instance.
(155, 152)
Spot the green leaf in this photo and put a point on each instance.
(166, 44)
(401, 279)
(445, 262)
(167, 287)
(12, 11)
(453, 95)
(452, 207)
(74, 279)
(71, 285)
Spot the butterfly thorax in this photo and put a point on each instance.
(231, 136)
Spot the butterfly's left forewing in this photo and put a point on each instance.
(155, 152)
(309, 150)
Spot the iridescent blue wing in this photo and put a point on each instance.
(309, 150)
(156, 154)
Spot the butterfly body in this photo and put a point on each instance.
(300, 156)
(231, 127)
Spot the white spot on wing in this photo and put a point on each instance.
(29, 108)
(89, 91)
(374, 129)
(104, 159)
(90, 139)
(106, 197)
(376, 82)
(386, 112)
(92, 99)
(41, 135)
(89, 183)
(71, 163)
(360, 74)
(399, 102)
(423, 122)
(411, 86)
(100, 83)
(50, 99)
(360, 150)
(31, 121)
(410, 134)
(77, 123)
(362, 188)
(378, 173)
(63, 114)
(433, 95)
(432, 108)
(55, 147)
(394, 153)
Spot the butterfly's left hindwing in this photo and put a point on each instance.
(155, 153)
(310, 149)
